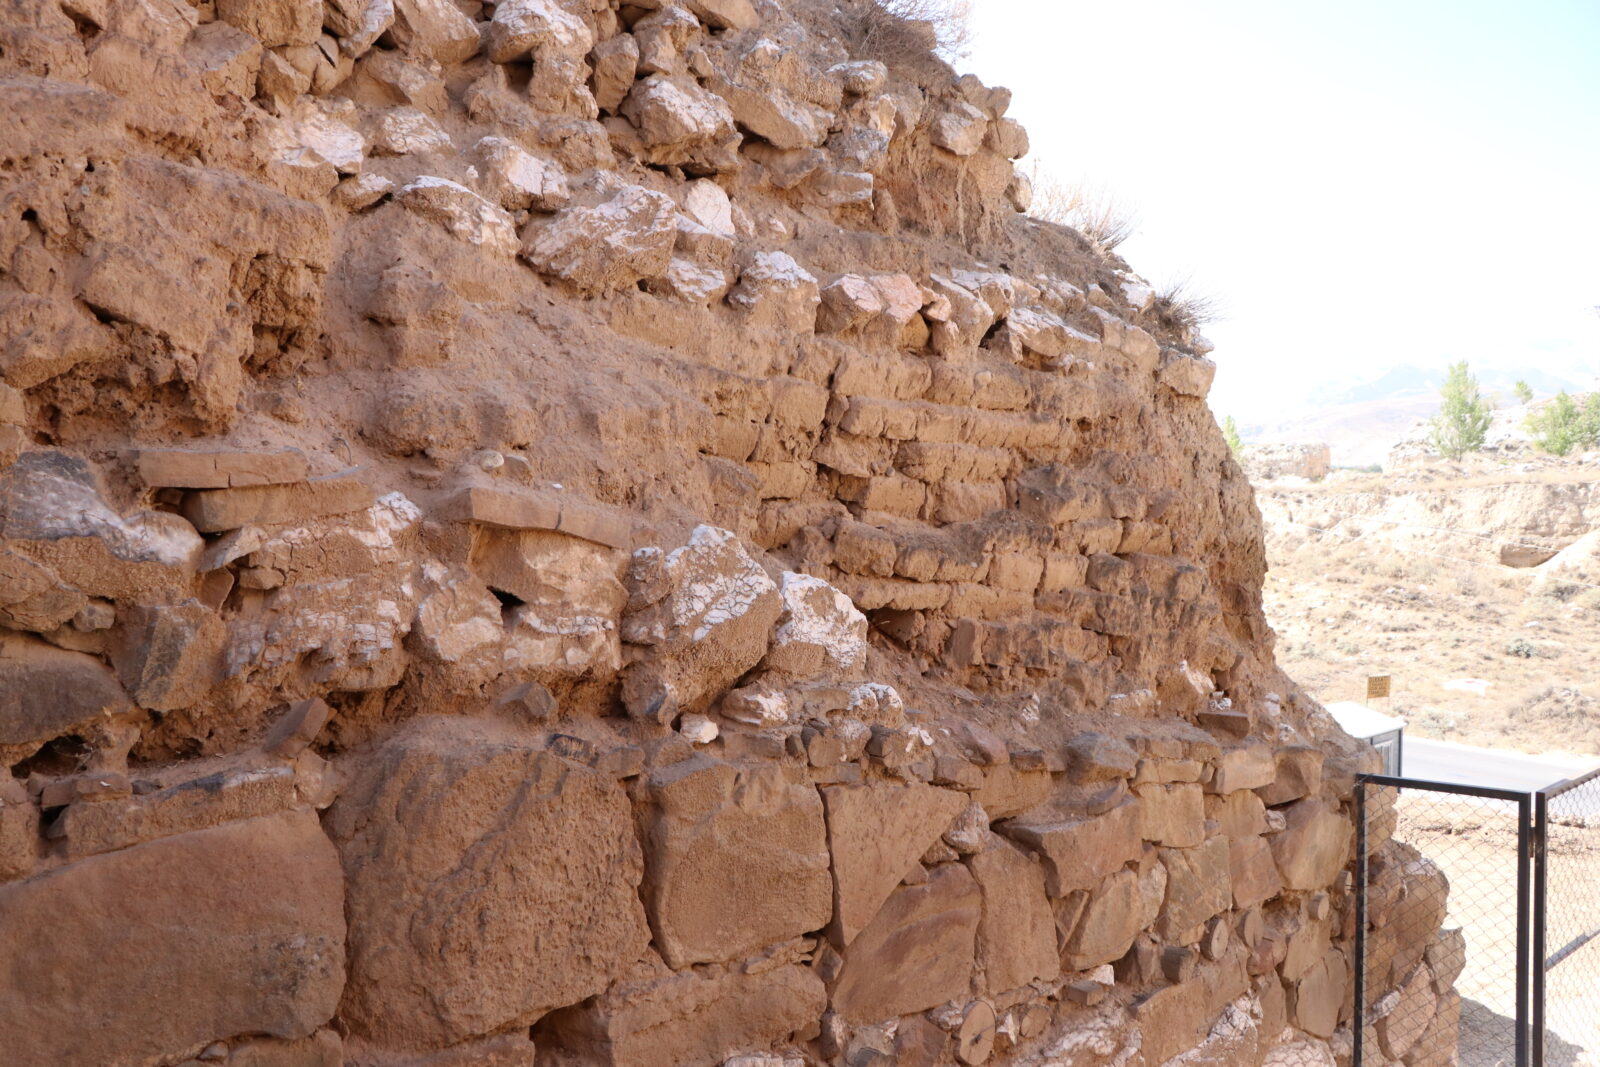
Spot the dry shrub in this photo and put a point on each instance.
(1179, 308)
(904, 32)
(1096, 213)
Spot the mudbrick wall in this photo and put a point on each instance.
(556, 533)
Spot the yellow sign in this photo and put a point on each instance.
(1377, 686)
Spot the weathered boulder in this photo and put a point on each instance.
(1199, 885)
(734, 860)
(52, 511)
(704, 611)
(876, 833)
(174, 944)
(47, 691)
(681, 124)
(519, 179)
(463, 213)
(819, 631)
(1108, 924)
(608, 246)
(776, 291)
(489, 883)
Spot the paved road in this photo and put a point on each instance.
(1445, 761)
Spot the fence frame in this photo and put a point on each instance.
(1530, 934)
(1541, 889)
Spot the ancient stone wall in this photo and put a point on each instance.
(565, 533)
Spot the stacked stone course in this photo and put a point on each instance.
(559, 532)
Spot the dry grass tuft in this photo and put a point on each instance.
(904, 32)
(1178, 308)
(1096, 213)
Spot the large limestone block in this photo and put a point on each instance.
(705, 610)
(464, 214)
(1109, 923)
(1079, 851)
(1199, 885)
(917, 952)
(776, 291)
(681, 124)
(735, 859)
(1253, 872)
(521, 27)
(219, 468)
(1314, 845)
(692, 1019)
(216, 510)
(1172, 814)
(1315, 999)
(126, 959)
(489, 882)
(47, 691)
(169, 655)
(1409, 1015)
(52, 511)
(1017, 935)
(876, 834)
(608, 246)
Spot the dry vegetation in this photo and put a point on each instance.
(903, 32)
(1179, 308)
(1096, 213)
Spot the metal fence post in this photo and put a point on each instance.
(1358, 1024)
(1541, 812)
(1524, 924)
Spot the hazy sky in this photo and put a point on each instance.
(1360, 184)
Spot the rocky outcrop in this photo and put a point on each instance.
(552, 532)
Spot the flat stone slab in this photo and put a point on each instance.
(529, 509)
(176, 468)
(216, 510)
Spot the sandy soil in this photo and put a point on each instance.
(1476, 655)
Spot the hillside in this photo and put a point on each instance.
(1474, 585)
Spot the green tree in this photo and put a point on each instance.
(1464, 415)
(1230, 434)
(1562, 425)
(1523, 390)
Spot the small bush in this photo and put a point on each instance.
(1523, 390)
(1180, 309)
(898, 32)
(1095, 213)
(1562, 425)
(1522, 648)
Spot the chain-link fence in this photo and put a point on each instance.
(1567, 943)
(1443, 924)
